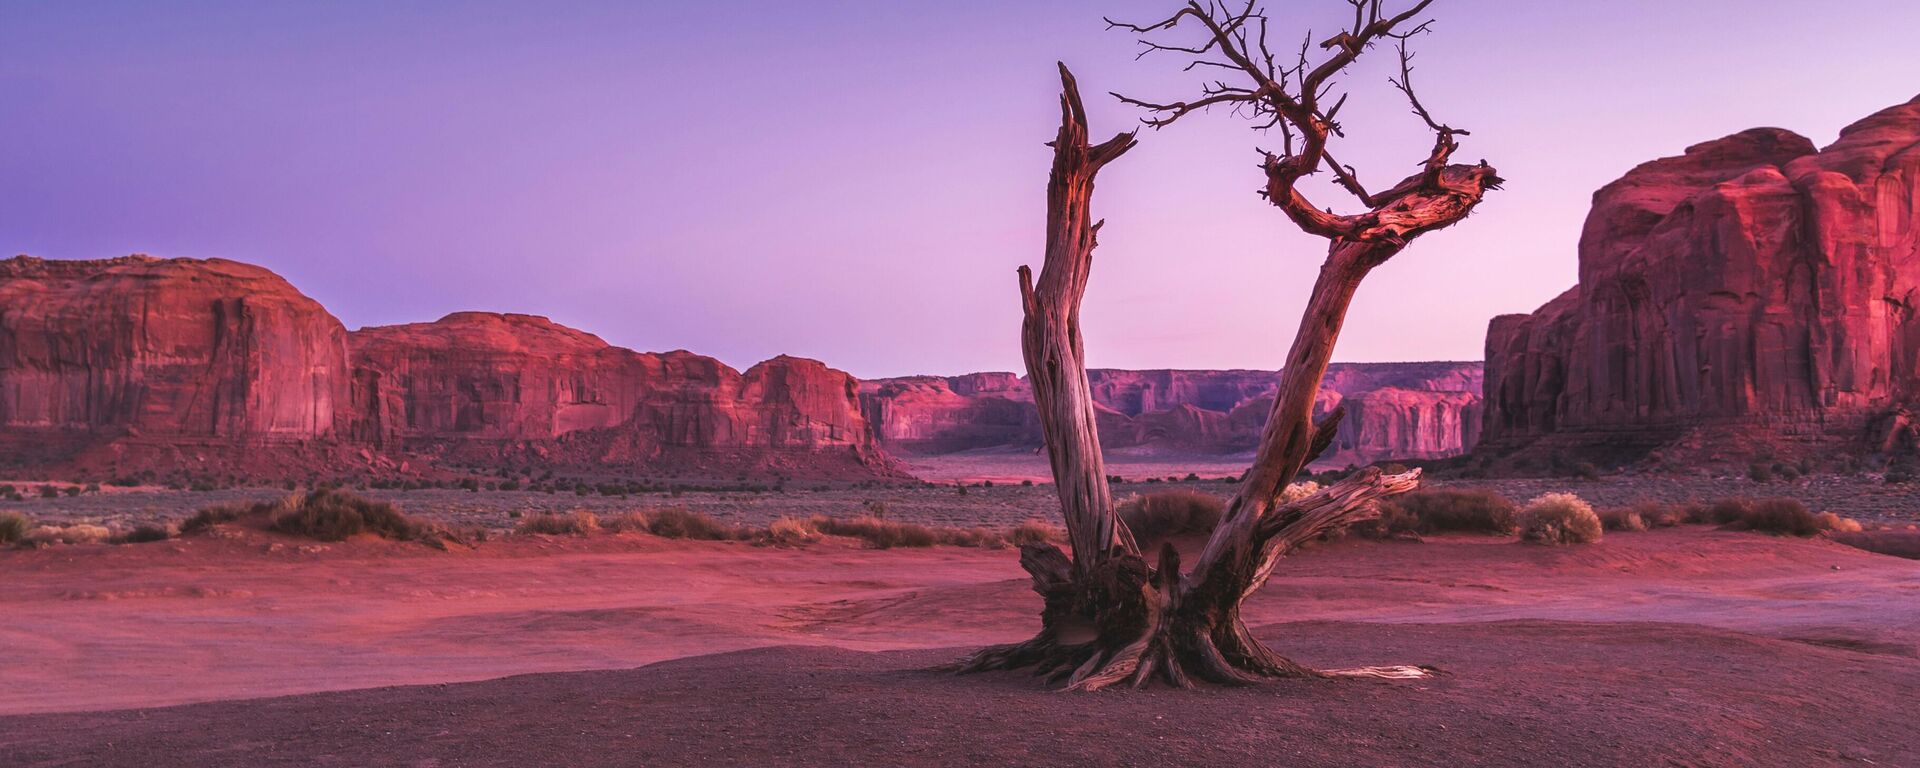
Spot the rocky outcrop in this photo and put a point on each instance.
(211, 367)
(1753, 287)
(933, 414)
(1395, 410)
(478, 387)
(102, 357)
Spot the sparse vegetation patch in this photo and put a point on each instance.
(1559, 518)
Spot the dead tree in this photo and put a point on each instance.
(1109, 616)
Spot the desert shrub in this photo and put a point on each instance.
(13, 527)
(1726, 511)
(1586, 471)
(878, 533)
(551, 524)
(1781, 516)
(1760, 472)
(628, 522)
(143, 533)
(77, 533)
(1833, 523)
(1156, 516)
(969, 537)
(328, 514)
(1472, 510)
(1035, 532)
(1627, 519)
(677, 523)
(49, 492)
(791, 531)
(1658, 515)
(208, 517)
(1559, 518)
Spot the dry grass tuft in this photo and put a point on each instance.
(222, 514)
(1786, 517)
(14, 527)
(1559, 518)
(1434, 511)
(981, 538)
(1623, 520)
(677, 523)
(551, 524)
(791, 532)
(1036, 532)
(1782, 516)
(1154, 517)
(1661, 515)
(143, 533)
(334, 515)
(878, 533)
(1725, 511)
(324, 514)
(1833, 523)
(77, 533)
(628, 522)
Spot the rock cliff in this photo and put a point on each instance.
(142, 353)
(481, 387)
(1751, 290)
(1395, 410)
(211, 367)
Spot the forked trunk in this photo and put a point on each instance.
(1110, 616)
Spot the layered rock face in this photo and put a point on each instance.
(216, 367)
(480, 386)
(1395, 410)
(1753, 286)
(143, 351)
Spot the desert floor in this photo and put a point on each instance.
(1688, 647)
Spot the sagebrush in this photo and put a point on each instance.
(1559, 518)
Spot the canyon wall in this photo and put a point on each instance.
(200, 367)
(154, 353)
(484, 387)
(1394, 411)
(1751, 294)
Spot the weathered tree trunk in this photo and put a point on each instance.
(1109, 617)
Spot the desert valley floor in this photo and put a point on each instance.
(1687, 646)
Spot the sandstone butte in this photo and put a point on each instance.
(1394, 411)
(213, 367)
(1752, 296)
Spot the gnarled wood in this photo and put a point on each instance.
(1109, 617)
(1050, 334)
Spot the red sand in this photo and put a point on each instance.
(1795, 623)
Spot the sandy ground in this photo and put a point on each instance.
(1662, 639)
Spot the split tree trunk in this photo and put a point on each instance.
(1109, 615)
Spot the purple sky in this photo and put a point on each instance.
(852, 181)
